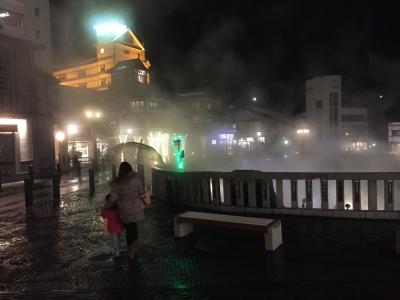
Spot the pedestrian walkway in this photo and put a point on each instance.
(61, 250)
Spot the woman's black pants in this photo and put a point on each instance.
(131, 233)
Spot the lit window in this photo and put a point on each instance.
(103, 82)
(214, 142)
(250, 139)
(102, 68)
(222, 136)
(261, 139)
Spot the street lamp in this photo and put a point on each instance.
(93, 115)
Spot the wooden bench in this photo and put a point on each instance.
(271, 228)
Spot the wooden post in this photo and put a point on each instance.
(251, 190)
(293, 194)
(28, 188)
(309, 193)
(56, 187)
(227, 192)
(79, 170)
(266, 193)
(91, 182)
(279, 193)
(340, 194)
(31, 172)
(372, 195)
(388, 184)
(356, 195)
(324, 194)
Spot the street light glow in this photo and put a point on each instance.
(60, 136)
(259, 133)
(72, 129)
(303, 131)
(91, 114)
(254, 99)
(129, 131)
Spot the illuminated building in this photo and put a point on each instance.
(26, 133)
(115, 44)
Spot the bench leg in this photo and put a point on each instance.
(273, 236)
(182, 229)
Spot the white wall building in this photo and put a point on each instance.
(29, 20)
(394, 137)
(323, 105)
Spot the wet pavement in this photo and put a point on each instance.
(62, 251)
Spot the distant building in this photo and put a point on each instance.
(26, 124)
(323, 105)
(330, 123)
(115, 45)
(354, 132)
(29, 20)
(394, 137)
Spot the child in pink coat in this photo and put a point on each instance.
(114, 225)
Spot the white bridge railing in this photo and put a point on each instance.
(350, 194)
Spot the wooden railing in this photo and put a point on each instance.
(275, 192)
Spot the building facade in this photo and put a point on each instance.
(26, 132)
(94, 73)
(323, 105)
(344, 128)
(29, 20)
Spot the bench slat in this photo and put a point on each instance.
(249, 223)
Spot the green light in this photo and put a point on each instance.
(179, 145)
(110, 31)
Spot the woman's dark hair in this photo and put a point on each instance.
(124, 169)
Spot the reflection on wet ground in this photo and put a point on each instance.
(61, 251)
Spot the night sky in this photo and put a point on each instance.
(240, 49)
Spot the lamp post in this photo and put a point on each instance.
(92, 116)
(60, 136)
(303, 133)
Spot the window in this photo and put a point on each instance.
(102, 68)
(141, 76)
(4, 76)
(126, 51)
(353, 118)
(82, 85)
(103, 82)
(318, 104)
(81, 73)
(37, 34)
(37, 12)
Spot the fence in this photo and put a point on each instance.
(350, 194)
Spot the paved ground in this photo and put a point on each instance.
(61, 251)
